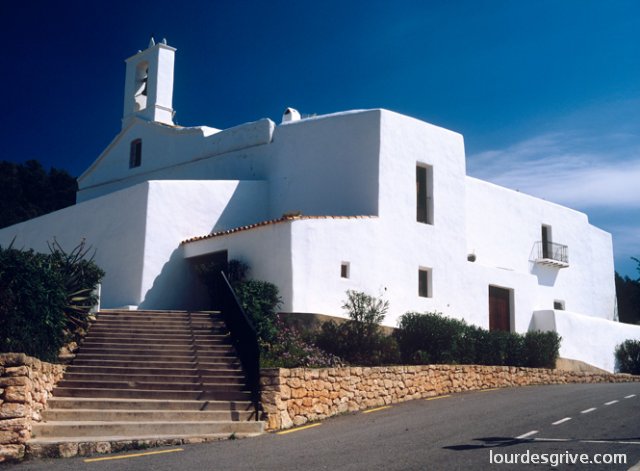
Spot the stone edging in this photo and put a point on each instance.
(25, 386)
(293, 397)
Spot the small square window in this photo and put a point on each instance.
(344, 270)
(558, 305)
(424, 282)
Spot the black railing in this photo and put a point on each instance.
(552, 251)
(243, 335)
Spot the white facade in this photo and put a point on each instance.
(348, 185)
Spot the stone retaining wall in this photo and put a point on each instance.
(25, 386)
(292, 397)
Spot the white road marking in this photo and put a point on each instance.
(586, 411)
(610, 402)
(561, 421)
(528, 434)
(609, 442)
(630, 396)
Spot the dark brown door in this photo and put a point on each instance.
(499, 309)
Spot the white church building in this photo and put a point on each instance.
(367, 200)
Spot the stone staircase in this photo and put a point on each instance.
(152, 376)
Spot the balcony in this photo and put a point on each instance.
(551, 254)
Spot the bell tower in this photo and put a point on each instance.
(148, 88)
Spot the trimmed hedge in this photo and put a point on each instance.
(428, 338)
(628, 357)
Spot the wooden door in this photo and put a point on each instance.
(499, 309)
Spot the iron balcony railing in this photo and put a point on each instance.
(552, 253)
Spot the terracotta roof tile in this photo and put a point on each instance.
(286, 218)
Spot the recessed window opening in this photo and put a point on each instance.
(135, 154)
(345, 269)
(558, 305)
(547, 242)
(424, 194)
(141, 86)
(424, 282)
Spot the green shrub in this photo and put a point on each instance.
(44, 298)
(290, 350)
(360, 340)
(260, 301)
(32, 302)
(628, 357)
(434, 338)
(81, 277)
(541, 349)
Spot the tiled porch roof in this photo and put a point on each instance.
(285, 218)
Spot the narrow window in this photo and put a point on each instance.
(344, 270)
(135, 154)
(424, 282)
(547, 249)
(424, 193)
(558, 305)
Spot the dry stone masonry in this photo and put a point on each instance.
(25, 386)
(292, 397)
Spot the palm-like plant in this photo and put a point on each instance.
(81, 277)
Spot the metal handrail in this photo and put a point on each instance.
(244, 337)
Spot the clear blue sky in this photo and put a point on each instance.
(546, 93)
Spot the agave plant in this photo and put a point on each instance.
(81, 277)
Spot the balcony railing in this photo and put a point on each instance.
(550, 253)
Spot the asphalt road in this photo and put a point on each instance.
(461, 431)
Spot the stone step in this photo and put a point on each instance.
(158, 327)
(225, 362)
(136, 349)
(159, 314)
(156, 372)
(137, 379)
(87, 429)
(220, 395)
(79, 403)
(67, 447)
(150, 385)
(212, 357)
(151, 415)
(148, 320)
(157, 331)
(148, 340)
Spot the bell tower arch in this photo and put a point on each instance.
(148, 89)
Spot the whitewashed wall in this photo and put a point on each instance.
(173, 153)
(326, 165)
(137, 232)
(178, 210)
(114, 225)
(586, 338)
(266, 249)
(502, 228)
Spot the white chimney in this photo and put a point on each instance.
(290, 114)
